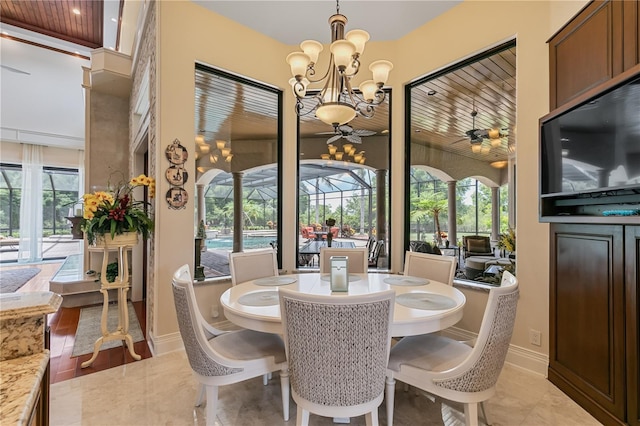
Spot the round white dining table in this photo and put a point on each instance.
(433, 306)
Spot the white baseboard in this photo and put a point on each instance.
(526, 359)
(166, 343)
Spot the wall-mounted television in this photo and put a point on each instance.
(591, 148)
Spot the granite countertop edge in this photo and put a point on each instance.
(21, 379)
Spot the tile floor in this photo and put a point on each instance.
(161, 390)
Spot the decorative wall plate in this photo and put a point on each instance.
(177, 198)
(176, 153)
(177, 175)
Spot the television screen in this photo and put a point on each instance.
(594, 146)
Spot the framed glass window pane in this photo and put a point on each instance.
(343, 193)
(460, 144)
(238, 152)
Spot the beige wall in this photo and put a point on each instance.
(188, 33)
(11, 152)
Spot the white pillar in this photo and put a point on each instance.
(238, 213)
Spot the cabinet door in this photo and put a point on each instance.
(632, 283)
(586, 295)
(586, 52)
(631, 34)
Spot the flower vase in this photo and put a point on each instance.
(118, 240)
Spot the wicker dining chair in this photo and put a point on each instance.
(430, 266)
(251, 265)
(224, 358)
(358, 262)
(454, 370)
(337, 349)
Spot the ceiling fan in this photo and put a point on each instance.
(350, 134)
(476, 136)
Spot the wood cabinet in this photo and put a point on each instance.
(594, 262)
(594, 318)
(632, 297)
(599, 43)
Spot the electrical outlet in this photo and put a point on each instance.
(214, 311)
(535, 337)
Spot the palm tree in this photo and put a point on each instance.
(429, 204)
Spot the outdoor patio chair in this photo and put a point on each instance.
(477, 245)
(378, 246)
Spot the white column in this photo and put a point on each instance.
(452, 213)
(238, 214)
(495, 213)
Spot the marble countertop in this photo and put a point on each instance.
(21, 379)
(28, 304)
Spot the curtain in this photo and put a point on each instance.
(30, 249)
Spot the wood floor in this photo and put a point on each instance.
(63, 325)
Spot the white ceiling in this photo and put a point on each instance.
(41, 95)
(46, 106)
(290, 22)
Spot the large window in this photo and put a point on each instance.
(59, 195)
(59, 200)
(238, 151)
(460, 142)
(343, 191)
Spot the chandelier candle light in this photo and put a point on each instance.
(337, 103)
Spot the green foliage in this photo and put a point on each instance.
(116, 211)
(508, 241)
(112, 271)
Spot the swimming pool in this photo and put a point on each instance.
(226, 243)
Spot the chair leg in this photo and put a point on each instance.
(302, 417)
(390, 396)
(200, 395)
(265, 379)
(284, 386)
(371, 418)
(212, 403)
(471, 414)
(484, 414)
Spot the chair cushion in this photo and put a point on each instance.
(478, 246)
(429, 352)
(248, 345)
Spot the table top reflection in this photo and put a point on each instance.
(420, 308)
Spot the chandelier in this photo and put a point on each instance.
(221, 152)
(347, 154)
(337, 103)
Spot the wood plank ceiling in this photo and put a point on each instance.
(441, 109)
(56, 18)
